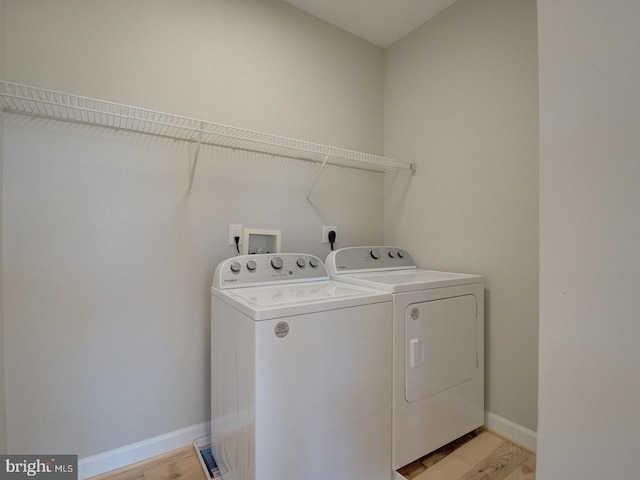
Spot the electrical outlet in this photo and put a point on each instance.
(325, 233)
(235, 231)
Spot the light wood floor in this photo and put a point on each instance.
(478, 456)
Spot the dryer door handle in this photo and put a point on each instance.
(416, 353)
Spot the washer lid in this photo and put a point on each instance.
(408, 280)
(282, 300)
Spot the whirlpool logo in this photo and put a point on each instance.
(45, 467)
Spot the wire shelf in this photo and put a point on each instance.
(27, 100)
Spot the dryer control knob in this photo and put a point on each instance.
(301, 262)
(235, 267)
(375, 254)
(251, 265)
(392, 254)
(313, 262)
(276, 262)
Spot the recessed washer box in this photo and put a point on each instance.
(257, 240)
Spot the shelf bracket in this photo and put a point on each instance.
(194, 164)
(324, 163)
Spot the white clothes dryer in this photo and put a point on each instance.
(438, 342)
(301, 372)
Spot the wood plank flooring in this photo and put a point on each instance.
(181, 464)
(477, 456)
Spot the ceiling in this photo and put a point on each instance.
(381, 22)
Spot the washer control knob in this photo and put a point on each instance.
(375, 254)
(313, 262)
(276, 262)
(235, 267)
(251, 265)
(392, 254)
(400, 254)
(301, 262)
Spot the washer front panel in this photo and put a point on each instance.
(306, 392)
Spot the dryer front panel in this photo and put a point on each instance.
(440, 345)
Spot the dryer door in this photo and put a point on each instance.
(440, 345)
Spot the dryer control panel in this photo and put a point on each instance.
(358, 259)
(252, 270)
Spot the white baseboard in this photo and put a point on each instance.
(139, 451)
(511, 431)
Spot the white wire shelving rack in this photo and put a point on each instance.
(39, 102)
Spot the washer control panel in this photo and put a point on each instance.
(358, 259)
(251, 270)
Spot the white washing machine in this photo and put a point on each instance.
(438, 341)
(301, 372)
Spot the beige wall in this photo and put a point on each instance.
(261, 65)
(461, 102)
(107, 260)
(589, 237)
(3, 416)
